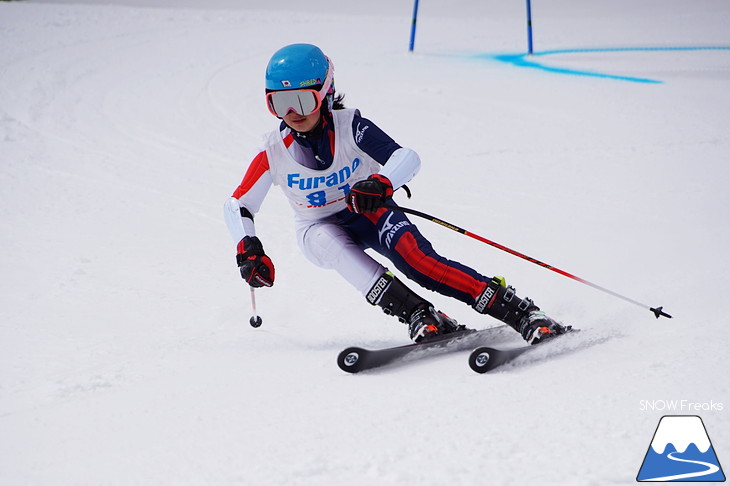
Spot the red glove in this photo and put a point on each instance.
(369, 195)
(256, 268)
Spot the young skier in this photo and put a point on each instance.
(338, 170)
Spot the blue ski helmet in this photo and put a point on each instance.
(300, 66)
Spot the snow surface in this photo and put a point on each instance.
(125, 351)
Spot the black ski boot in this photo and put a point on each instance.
(500, 301)
(424, 322)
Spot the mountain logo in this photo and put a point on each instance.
(680, 451)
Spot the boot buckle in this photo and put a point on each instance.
(509, 293)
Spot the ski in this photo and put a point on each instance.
(355, 359)
(487, 358)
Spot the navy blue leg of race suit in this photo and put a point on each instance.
(391, 234)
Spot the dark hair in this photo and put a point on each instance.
(338, 103)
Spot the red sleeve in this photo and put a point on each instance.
(259, 166)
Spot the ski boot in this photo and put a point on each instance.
(424, 322)
(500, 301)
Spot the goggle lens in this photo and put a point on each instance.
(302, 101)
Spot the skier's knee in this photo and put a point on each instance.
(323, 244)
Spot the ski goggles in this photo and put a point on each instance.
(301, 101)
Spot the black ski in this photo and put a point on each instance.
(487, 358)
(356, 359)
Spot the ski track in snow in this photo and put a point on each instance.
(125, 351)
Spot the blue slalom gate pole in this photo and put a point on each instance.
(529, 28)
(413, 26)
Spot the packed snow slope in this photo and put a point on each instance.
(126, 356)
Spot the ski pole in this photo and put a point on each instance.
(656, 310)
(255, 320)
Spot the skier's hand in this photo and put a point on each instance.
(256, 268)
(369, 195)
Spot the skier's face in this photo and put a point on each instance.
(302, 123)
